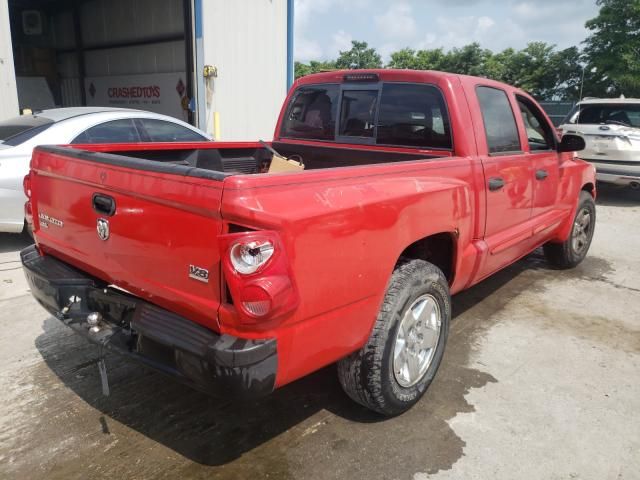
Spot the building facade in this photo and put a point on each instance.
(224, 66)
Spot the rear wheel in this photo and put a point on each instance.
(399, 361)
(572, 251)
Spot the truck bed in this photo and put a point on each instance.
(243, 157)
(167, 204)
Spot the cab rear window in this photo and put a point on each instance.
(312, 113)
(395, 114)
(413, 115)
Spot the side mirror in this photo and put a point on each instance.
(571, 143)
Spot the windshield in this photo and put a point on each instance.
(626, 114)
(20, 129)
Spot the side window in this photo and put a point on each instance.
(116, 131)
(539, 133)
(499, 122)
(163, 131)
(358, 113)
(311, 113)
(413, 115)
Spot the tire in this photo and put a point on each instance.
(572, 251)
(368, 376)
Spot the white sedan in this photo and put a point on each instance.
(19, 135)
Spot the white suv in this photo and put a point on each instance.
(611, 130)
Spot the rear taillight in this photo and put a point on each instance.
(26, 185)
(256, 300)
(249, 257)
(257, 273)
(28, 209)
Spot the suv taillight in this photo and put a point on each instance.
(26, 185)
(257, 273)
(28, 209)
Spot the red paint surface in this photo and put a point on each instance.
(341, 230)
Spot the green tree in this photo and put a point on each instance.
(499, 66)
(468, 60)
(434, 59)
(408, 58)
(540, 69)
(566, 66)
(404, 59)
(302, 69)
(613, 47)
(360, 56)
(531, 70)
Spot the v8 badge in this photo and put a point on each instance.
(198, 273)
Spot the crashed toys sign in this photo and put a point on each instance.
(159, 92)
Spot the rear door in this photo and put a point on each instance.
(146, 227)
(508, 175)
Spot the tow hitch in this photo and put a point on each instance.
(100, 332)
(118, 322)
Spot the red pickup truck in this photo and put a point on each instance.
(195, 260)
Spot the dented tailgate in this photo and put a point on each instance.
(144, 227)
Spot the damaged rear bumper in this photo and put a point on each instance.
(220, 365)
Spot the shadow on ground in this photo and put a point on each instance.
(617, 196)
(214, 432)
(10, 242)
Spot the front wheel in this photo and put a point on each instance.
(400, 359)
(572, 251)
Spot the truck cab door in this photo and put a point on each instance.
(508, 180)
(540, 148)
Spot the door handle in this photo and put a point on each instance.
(496, 183)
(103, 204)
(541, 174)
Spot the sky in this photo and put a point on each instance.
(325, 27)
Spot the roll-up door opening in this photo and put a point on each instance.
(112, 53)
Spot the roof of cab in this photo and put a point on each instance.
(397, 75)
(385, 74)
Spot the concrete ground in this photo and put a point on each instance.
(541, 380)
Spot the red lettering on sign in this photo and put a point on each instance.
(151, 91)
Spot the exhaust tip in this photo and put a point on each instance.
(635, 185)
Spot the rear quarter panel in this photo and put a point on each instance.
(343, 234)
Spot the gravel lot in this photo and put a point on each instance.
(541, 379)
